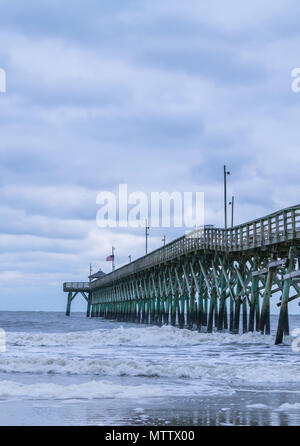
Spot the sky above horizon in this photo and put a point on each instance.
(156, 95)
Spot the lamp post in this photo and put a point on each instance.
(146, 235)
(226, 172)
(164, 240)
(231, 203)
(113, 257)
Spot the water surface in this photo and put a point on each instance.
(60, 370)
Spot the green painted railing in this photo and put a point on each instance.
(76, 286)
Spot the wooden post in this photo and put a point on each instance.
(204, 312)
(211, 311)
(283, 316)
(222, 304)
(254, 300)
(199, 311)
(173, 310)
(231, 320)
(265, 310)
(159, 312)
(237, 310)
(225, 315)
(144, 311)
(188, 310)
(237, 316)
(245, 315)
(181, 307)
(192, 308)
(68, 310)
(88, 310)
(216, 311)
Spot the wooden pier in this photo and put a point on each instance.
(73, 288)
(210, 279)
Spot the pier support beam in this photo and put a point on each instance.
(69, 301)
(71, 296)
(283, 316)
(254, 305)
(265, 310)
(88, 310)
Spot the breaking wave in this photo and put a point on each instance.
(149, 336)
(245, 371)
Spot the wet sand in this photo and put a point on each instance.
(244, 408)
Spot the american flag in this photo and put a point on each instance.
(110, 258)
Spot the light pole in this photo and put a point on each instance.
(232, 210)
(164, 240)
(90, 279)
(113, 257)
(226, 172)
(129, 257)
(146, 235)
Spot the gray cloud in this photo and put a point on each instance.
(158, 95)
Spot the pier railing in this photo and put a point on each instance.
(276, 228)
(76, 286)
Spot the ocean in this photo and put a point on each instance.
(60, 370)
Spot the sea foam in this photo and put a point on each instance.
(140, 336)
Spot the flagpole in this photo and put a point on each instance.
(226, 172)
(146, 236)
(113, 258)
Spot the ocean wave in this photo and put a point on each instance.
(88, 390)
(140, 336)
(258, 371)
(106, 389)
(287, 406)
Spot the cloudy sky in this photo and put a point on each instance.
(157, 95)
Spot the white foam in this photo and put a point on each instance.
(257, 406)
(287, 406)
(168, 352)
(140, 336)
(258, 371)
(106, 389)
(88, 390)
